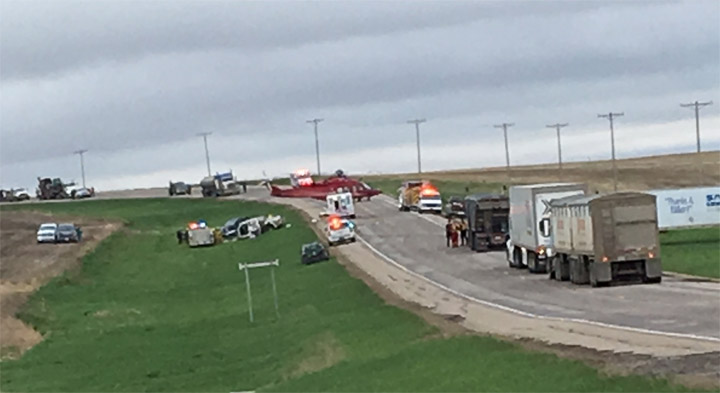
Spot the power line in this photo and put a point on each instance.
(317, 143)
(697, 105)
(81, 153)
(557, 127)
(610, 116)
(417, 138)
(207, 153)
(505, 126)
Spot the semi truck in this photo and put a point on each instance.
(600, 239)
(487, 216)
(529, 204)
(420, 196)
(222, 184)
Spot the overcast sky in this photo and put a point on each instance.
(134, 83)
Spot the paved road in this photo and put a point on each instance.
(418, 243)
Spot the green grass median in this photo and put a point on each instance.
(146, 314)
(692, 251)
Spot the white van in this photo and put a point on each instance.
(340, 204)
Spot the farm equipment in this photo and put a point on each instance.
(419, 196)
(51, 189)
(487, 216)
(600, 239)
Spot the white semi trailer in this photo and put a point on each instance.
(529, 246)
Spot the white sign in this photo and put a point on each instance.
(688, 207)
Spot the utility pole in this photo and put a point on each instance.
(557, 127)
(207, 154)
(417, 138)
(505, 126)
(81, 152)
(697, 105)
(317, 143)
(610, 116)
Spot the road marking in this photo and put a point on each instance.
(527, 314)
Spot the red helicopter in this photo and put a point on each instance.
(303, 186)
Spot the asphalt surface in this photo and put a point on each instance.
(417, 242)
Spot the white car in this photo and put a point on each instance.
(340, 230)
(47, 233)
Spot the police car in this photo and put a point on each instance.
(339, 230)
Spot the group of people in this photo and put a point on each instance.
(456, 231)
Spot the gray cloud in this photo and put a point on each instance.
(118, 76)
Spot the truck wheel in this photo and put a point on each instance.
(654, 280)
(532, 262)
(551, 268)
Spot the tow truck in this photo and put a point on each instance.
(339, 230)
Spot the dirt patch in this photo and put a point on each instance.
(318, 353)
(26, 265)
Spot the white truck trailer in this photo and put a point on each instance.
(688, 207)
(528, 245)
(599, 239)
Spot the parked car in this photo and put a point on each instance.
(21, 194)
(66, 233)
(314, 252)
(230, 229)
(47, 233)
(179, 188)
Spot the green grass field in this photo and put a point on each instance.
(692, 251)
(146, 314)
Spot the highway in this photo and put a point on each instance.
(417, 242)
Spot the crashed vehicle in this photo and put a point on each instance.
(314, 252)
(179, 188)
(253, 227)
(230, 229)
(14, 195)
(455, 207)
(339, 230)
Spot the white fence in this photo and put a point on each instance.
(688, 207)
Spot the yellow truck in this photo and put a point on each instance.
(420, 196)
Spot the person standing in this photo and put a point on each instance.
(463, 232)
(455, 234)
(448, 232)
(78, 231)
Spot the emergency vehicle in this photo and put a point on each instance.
(339, 230)
(341, 204)
(198, 234)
